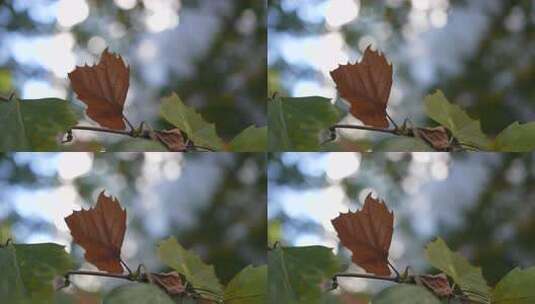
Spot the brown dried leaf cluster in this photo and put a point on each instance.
(437, 137)
(438, 284)
(172, 139)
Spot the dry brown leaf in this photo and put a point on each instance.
(367, 233)
(438, 284)
(170, 282)
(100, 231)
(438, 137)
(366, 86)
(172, 139)
(103, 89)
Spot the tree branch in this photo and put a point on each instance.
(366, 276)
(112, 131)
(366, 128)
(99, 274)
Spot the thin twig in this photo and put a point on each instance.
(366, 276)
(201, 147)
(390, 131)
(112, 131)
(99, 274)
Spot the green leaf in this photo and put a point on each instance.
(252, 139)
(11, 285)
(294, 124)
(404, 144)
(189, 121)
(295, 273)
(39, 264)
(33, 125)
(190, 265)
(468, 277)
(247, 287)
(405, 294)
(516, 138)
(137, 293)
(462, 127)
(517, 287)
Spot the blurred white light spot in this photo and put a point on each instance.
(59, 61)
(161, 15)
(421, 157)
(147, 50)
(418, 20)
(317, 205)
(51, 205)
(323, 52)
(71, 165)
(311, 88)
(342, 165)
(172, 169)
(53, 53)
(116, 30)
(125, 4)
(96, 45)
(438, 18)
(340, 12)
(71, 12)
(161, 20)
(246, 24)
(439, 170)
(34, 89)
(421, 4)
(516, 20)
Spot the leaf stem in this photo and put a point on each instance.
(392, 121)
(129, 124)
(126, 266)
(394, 268)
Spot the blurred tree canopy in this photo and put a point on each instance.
(212, 53)
(482, 205)
(479, 53)
(214, 204)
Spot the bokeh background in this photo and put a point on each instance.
(212, 53)
(481, 204)
(480, 53)
(214, 204)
